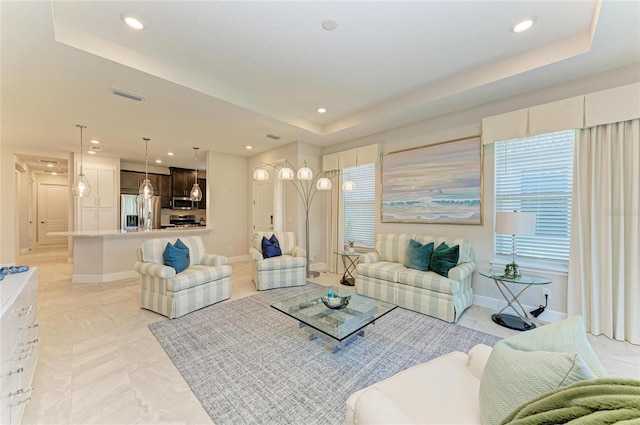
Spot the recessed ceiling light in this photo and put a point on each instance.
(170, 153)
(133, 23)
(322, 110)
(95, 142)
(523, 25)
(248, 147)
(92, 152)
(50, 165)
(329, 24)
(54, 173)
(158, 161)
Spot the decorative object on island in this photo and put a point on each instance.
(146, 188)
(81, 187)
(435, 184)
(196, 193)
(515, 224)
(306, 185)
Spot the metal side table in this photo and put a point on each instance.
(521, 322)
(349, 261)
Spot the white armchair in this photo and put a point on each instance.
(289, 269)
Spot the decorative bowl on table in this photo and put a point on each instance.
(336, 302)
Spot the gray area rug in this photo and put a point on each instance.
(250, 364)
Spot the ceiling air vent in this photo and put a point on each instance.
(273, 136)
(128, 95)
(48, 161)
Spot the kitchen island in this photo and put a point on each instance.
(108, 255)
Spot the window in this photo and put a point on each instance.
(535, 174)
(359, 205)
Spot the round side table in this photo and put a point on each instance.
(521, 322)
(349, 261)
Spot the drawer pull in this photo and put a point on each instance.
(22, 328)
(35, 341)
(22, 312)
(18, 392)
(26, 352)
(13, 372)
(18, 403)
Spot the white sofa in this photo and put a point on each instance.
(206, 281)
(382, 275)
(484, 386)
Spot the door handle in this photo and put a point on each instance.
(42, 222)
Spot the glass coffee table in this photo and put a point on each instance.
(342, 326)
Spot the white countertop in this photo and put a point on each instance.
(118, 232)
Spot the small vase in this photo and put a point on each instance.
(351, 250)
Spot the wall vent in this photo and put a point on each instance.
(273, 136)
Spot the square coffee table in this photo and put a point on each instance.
(343, 325)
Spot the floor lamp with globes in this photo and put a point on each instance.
(307, 185)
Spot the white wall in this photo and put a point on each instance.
(467, 123)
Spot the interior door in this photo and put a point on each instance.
(52, 213)
(263, 204)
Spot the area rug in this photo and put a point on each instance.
(250, 364)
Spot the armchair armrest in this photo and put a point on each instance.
(255, 254)
(370, 257)
(155, 270)
(213, 260)
(462, 271)
(298, 252)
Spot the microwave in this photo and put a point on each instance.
(182, 203)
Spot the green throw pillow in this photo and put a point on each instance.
(417, 255)
(444, 258)
(529, 364)
(176, 257)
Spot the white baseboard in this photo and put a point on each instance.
(318, 267)
(102, 278)
(24, 250)
(496, 304)
(238, 258)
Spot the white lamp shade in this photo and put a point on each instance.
(285, 173)
(348, 186)
(323, 184)
(305, 173)
(260, 174)
(81, 186)
(196, 193)
(516, 223)
(146, 189)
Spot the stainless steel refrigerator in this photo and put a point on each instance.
(137, 213)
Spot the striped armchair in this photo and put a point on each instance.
(289, 269)
(382, 275)
(206, 281)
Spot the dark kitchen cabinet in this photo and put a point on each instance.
(165, 190)
(130, 182)
(181, 181)
(203, 187)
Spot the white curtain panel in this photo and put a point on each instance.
(604, 265)
(335, 220)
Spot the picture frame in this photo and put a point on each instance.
(441, 183)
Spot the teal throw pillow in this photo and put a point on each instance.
(417, 255)
(444, 258)
(175, 257)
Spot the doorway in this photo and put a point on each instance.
(52, 213)
(269, 201)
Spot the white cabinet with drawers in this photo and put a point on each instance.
(18, 342)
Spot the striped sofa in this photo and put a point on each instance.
(289, 269)
(206, 281)
(382, 275)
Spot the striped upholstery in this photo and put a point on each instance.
(289, 269)
(206, 281)
(382, 275)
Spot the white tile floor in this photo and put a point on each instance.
(99, 363)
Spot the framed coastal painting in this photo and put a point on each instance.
(436, 184)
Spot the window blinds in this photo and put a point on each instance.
(359, 205)
(535, 174)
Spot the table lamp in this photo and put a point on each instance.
(515, 224)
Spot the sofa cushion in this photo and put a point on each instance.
(384, 270)
(429, 280)
(175, 256)
(417, 255)
(527, 365)
(271, 247)
(197, 275)
(392, 247)
(281, 262)
(444, 258)
(465, 245)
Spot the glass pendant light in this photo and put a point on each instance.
(81, 187)
(348, 185)
(261, 175)
(196, 192)
(285, 173)
(146, 189)
(305, 173)
(323, 184)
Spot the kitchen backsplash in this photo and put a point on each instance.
(201, 215)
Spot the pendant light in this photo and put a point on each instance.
(146, 188)
(196, 193)
(81, 187)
